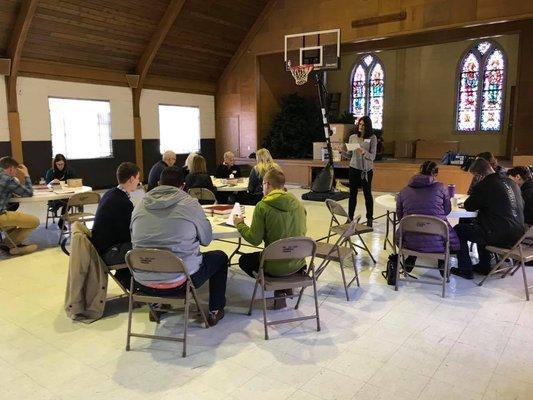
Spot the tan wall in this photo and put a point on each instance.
(420, 88)
(237, 94)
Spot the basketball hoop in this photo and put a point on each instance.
(301, 72)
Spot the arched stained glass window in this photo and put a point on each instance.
(367, 89)
(480, 95)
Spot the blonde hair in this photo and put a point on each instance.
(198, 165)
(264, 162)
(275, 177)
(188, 160)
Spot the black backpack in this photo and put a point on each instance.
(392, 266)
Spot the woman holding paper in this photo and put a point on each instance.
(362, 152)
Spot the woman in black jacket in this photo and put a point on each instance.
(60, 171)
(522, 177)
(198, 176)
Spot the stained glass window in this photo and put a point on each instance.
(367, 89)
(481, 89)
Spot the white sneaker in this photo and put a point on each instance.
(23, 249)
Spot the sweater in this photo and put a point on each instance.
(277, 216)
(199, 180)
(363, 162)
(527, 196)
(112, 220)
(155, 173)
(223, 171)
(66, 173)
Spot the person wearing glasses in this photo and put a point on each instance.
(427, 196)
(168, 160)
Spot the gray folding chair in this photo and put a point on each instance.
(295, 248)
(73, 212)
(427, 225)
(160, 261)
(337, 211)
(522, 252)
(204, 196)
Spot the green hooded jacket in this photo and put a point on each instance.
(278, 215)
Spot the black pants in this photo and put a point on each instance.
(471, 232)
(356, 180)
(249, 263)
(116, 255)
(214, 267)
(249, 199)
(411, 260)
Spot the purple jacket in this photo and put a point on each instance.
(424, 195)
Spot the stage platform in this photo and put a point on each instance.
(390, 175)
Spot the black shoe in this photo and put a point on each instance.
(369, 223)
(462, 273)
(214, 317)
(409, 264)
(441, 268)
(481, 269)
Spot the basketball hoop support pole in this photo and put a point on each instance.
(322, 93)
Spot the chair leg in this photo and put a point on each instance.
(398, 272)
(344, 280)
(355, 271)
(315, 292)
(200, 309)
(264, 310)
(525, 278)
(186, 317)
(367, 249)
(130, 310)
(253, 298)
(299, 299)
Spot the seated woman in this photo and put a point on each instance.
(187, 165)
(264, 162)
(228, 167)
(60, 171)
(198, 176)
(425, 195)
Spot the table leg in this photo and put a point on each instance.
(236, 251)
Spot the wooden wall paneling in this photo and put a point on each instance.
(230, 127)
(523, 123)
(14, 52)
(8, 16)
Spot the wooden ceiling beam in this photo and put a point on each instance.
(247, 41)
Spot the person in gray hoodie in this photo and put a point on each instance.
(168, 218)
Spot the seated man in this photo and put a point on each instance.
(168, 218)
(522, 177)
(278, 215)
(111, 228)
(500, 220)
(228, 167)
(169, 158)
(17, 225)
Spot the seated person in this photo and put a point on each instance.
(168, 218)
(228, 167)
(427, 196)
(111, 228)
(500, 219)
(60, 171)
(187, 165)
(264, 162)
(198, 176)
(278, 215)
(17, 225)
(168, 160)
(522, 177)
(493, 161)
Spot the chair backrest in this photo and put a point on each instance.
(417, 223)
(293, 248)
(202, 194)
(155, 260)
(83, 199)
(336, 209)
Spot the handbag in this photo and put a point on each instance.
(390, 273)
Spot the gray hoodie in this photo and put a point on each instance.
(168, 218)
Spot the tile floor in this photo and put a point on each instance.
(411, 344)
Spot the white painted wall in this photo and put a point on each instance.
(33, 96)
(35, 116)
(4, 127)
(150, 99)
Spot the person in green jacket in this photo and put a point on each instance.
(278, 215)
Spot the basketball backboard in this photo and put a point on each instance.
(321, 49)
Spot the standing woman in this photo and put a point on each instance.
(362, 167)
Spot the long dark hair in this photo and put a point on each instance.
(429, 168)
(368, 127)
(59, 157)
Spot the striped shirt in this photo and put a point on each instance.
(10, 186)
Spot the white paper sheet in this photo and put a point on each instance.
(235, 211)
(352, 146)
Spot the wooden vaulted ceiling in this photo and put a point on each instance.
(111, 36)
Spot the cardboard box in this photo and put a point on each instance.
(341, 132)
(318, 146)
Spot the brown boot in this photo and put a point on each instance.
(214, 317)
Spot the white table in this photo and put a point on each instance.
(388, 202)
(45, 195)
(240, 186)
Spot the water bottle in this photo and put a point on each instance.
(451, 190)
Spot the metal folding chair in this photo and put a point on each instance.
(295, 248)
(427, 225)
(339, 252)
(204, 196)
(51, 214)
(160, 261)
(337, 211)
(522, 252)
(73, 212)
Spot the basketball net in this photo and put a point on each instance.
(301, 72)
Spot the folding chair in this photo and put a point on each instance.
(73, 213)
(160, 261)
(6, 243)
(204, 196)
(295, 248)
(50, 214)
(337, 211)
(427, 225)
(522, 252)
(341, 250)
